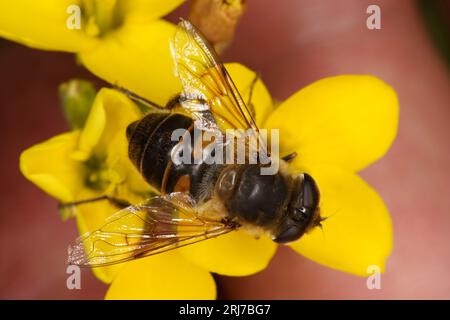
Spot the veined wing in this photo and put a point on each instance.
(209, 93)
(160, 224)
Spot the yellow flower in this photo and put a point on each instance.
(93, 161)
(121, 41)
(337, 125)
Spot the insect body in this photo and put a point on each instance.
(150, 150)
(199, 200)
(241, 191)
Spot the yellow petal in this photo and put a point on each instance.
(234, 254)
(144, 11)
(50, 167)
(124, 170)
(106, 124)
(91, 217)
(138, 58)
(358, 232)
(261, 100)
(110, 115)
(42, 24)
(163, 276)
(348, 121)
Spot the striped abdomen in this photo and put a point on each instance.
(150, 149)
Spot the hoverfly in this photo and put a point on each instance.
(198, 201)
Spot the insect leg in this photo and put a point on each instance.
(137, 98)
(67, 207)
(173, 102)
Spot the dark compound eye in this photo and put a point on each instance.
(302, 209)
(289, 234)
(310, 193)
(300, 214)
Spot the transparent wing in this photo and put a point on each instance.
(208, 90)
(160, 224)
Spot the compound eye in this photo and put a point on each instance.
(289, 234)
(310, 194)
(300, 214)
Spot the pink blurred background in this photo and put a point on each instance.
(291, 43)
